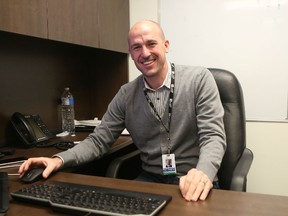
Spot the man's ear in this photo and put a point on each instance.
(167, 45)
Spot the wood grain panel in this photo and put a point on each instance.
(29, 18)
(114, 24)
(74, 21)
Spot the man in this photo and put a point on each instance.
(174, 116)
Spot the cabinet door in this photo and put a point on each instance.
(114, 24)
(96, 23)
(27, 17)
(74, 21)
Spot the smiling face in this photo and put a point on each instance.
(148, 48)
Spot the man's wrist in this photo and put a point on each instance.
(59, 161)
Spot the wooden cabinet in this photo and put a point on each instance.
(74, 21)
(48, 65)
(114, 24)
(96, 23)
(27, 17)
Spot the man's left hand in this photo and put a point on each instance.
(195, 185)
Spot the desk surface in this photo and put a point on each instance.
(121, 142)
(123, 145)
(219, 202)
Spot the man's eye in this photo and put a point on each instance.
(153, 44)
(135, 48)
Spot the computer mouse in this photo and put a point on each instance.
(33, 175)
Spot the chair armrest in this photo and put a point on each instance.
(241, 170)
(113, 170)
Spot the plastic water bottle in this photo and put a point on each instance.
(67, 112)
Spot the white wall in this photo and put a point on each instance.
(247, 37)
(269, 143)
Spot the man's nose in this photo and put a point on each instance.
(145, 51)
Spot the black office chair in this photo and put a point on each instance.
(237, 159)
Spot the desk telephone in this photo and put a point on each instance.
(30, 129)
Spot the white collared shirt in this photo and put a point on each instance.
(159, 97)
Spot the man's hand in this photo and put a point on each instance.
(51, 164)
(195, 185)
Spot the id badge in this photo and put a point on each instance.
(168, 164)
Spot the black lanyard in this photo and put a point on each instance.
(170, 104)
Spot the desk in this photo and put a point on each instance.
(121, 142)
(219, 202)
(122, 146)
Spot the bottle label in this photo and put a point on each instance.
(68, 101)
(71, 101)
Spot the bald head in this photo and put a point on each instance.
(146, 26)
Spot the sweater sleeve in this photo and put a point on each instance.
(212, 138)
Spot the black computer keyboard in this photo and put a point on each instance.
(76, 199)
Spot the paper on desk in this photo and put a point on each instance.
(94, 122)
(11, 164)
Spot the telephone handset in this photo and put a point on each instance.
(30, 129)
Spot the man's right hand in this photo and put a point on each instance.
(51, 164)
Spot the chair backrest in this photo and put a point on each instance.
(234, 120)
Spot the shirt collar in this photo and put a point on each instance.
(167, 81)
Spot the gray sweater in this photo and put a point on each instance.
(197, 132)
